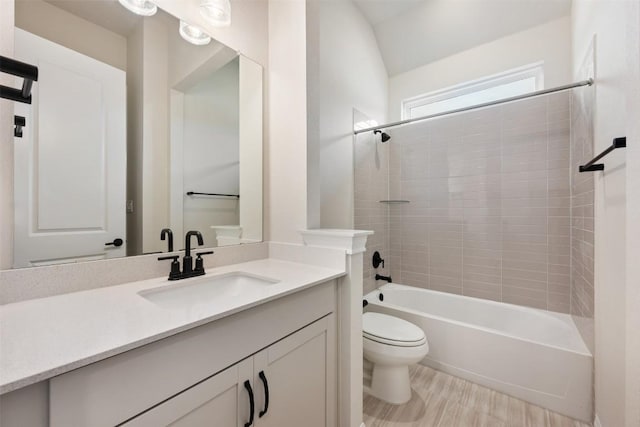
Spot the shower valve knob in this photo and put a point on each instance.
(377, 260)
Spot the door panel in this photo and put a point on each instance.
(297, 374)
(220, 401)
(69, 150)
(70, 165)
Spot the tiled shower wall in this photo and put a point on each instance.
(489, 211)
(371, 183)
(582, 221)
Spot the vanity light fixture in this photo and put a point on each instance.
(193, 34)
(140, 7)
(216, 12)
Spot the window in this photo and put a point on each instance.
(504, 85)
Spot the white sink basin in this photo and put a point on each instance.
(207, 291)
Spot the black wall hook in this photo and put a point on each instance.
(19, 122)
(27, 71)
(30, 74)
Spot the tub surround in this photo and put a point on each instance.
(484, 219)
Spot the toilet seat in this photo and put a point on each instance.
(385, 329)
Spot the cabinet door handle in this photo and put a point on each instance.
(252, 404)
(266, 394)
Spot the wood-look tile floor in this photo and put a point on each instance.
(442, 400)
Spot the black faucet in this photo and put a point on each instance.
(187, 261)
(167, 232)
(187, 264)
(380, 277)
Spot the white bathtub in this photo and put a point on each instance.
(531, 354)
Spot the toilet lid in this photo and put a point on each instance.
(384, 328)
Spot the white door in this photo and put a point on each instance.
(70, 165)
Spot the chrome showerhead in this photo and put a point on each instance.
(383, 135)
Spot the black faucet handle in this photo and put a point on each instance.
(175, 266)
(200, 261)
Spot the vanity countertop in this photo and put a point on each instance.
(45, 337)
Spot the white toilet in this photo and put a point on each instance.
(390, 345)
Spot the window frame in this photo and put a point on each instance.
(535, 70)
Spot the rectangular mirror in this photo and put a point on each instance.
(132, 129)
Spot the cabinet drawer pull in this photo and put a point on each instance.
(266, 394)
(252, 405)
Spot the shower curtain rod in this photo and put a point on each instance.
(588, 82)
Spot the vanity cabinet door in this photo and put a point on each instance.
(300, 375)
(220, 401)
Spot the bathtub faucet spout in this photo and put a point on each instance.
(387, 278)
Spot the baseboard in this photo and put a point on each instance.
(596, 422)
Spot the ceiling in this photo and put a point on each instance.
(108, 14)
(411, 33)
(377, 11)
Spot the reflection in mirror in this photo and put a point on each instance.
(127, 118)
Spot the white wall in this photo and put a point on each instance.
(612, 23)
(349, 73)
(286, 153)
(550, 42)
(633, 211)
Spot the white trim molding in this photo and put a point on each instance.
(352, 241)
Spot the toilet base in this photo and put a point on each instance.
(391, 383)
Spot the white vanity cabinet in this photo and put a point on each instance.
(293, 373)
(197, 377)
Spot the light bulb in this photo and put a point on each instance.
(140, 7)
(193, 34)
(216, 12)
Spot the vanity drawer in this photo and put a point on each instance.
(114, 390)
